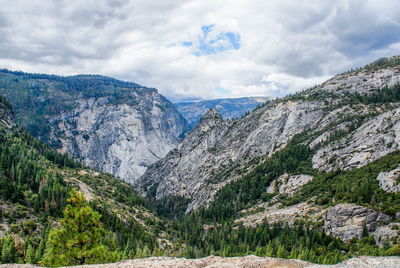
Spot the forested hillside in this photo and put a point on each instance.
(34, 186)
(97, 120)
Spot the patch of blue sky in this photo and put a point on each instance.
(184, 44)
(221, 91)
(187, 43)
(206, 29)
(222, 42)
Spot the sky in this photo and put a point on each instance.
(199, 49)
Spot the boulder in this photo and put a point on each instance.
(388, 181)
(347, 221)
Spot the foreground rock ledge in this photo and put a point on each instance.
(236, 262)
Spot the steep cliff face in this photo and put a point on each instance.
(217, 145)
(194, 154)
(119, 139)
(346, 121)
(6, 116)
(111, 125)
(375, 138)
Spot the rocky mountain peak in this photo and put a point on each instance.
(211, 117)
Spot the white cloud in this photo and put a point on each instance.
(284, 45)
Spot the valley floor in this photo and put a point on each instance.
(237, 262)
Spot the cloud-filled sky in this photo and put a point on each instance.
(199, 49)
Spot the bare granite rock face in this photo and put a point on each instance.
(237, 262)
(389, 233)
(388, 181)
(276, 213)
(206, 159)
(362, 81)
(215, 145)
(374, 139)
(347, 221)
(288, 184)
(121, 139)
(367, 261)
(6, 116)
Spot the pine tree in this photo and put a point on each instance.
(269, 252)
(42, 245)
(79, 238)
(364, 232)
(8, 252)
(126, 254)
(281, 252)
(30, 255)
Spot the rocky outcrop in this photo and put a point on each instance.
(389, 181)
(347, 221)
(238, 262)
(374, 139)
(368, 261)
(387, 234)
(276, 213)
(288, 184)
(6, 115)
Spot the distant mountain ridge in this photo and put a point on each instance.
(115, 126)
(229, 108)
